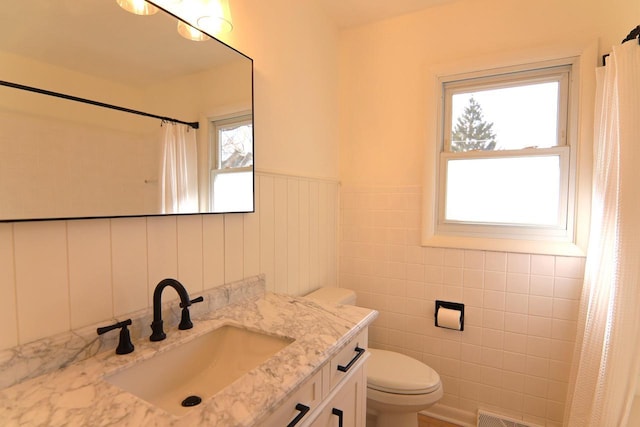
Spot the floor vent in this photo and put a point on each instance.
(487, 419)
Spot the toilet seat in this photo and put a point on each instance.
(392, 372)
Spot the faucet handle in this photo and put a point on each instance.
(125, 346)
(193, 301)
(185, 322)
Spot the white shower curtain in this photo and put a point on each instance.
(178, 169)
(606, 359)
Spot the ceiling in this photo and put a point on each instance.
(79, 35)
(351, 13)
(97, 50)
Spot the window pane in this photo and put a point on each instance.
(507, 190)
(236, 146)
(232, 192)
(508, 118)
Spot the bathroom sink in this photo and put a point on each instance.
(181, 377)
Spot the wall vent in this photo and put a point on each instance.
(487, 419)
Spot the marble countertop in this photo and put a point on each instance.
(78, 395)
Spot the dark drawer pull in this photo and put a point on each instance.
(303, 411)
(340, 414)
(360, 352)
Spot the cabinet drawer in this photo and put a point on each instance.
(342, 362)
(309, 395)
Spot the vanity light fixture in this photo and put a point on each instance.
(210, 16)
(139, 7)
(216, 18)
(191, 33)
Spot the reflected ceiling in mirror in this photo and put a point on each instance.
(65, 159)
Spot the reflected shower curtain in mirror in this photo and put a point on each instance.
(606, 358)
(178, 169)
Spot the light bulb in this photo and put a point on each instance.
(139, 7)
(215, 17)
(215, 24)
(188, 32)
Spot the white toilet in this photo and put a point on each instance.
(398, 386)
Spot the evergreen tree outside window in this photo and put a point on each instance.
(471, 131)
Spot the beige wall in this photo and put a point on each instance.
(515, 353)
(60, 275)
(294, 48)
(384, 68)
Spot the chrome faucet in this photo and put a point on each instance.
(185, 323)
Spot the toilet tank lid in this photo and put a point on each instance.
(334, 296)
(393, 372)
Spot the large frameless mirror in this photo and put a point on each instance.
(61, 157)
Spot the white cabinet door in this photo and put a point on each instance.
(346, 406)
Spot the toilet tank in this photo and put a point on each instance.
(334, 296)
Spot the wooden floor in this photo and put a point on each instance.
(424, 421)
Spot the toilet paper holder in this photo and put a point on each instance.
(451, 306)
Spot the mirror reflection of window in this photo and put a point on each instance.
(231, 171)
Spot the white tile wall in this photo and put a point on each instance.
(520, 310)
(61, 275)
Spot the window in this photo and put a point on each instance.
(506, 156)
(231, 162)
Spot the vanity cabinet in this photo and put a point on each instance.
(335, 396)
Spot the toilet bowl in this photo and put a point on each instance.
(398, 386)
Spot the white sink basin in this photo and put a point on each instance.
(200, 367)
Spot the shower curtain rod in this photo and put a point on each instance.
(194, 125)
(633, 34)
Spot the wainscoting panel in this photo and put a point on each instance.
(62, 275)
(190, 249)
(128, 265)
(298, 232)
(267, 229)
(293, 236)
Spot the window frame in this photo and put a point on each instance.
(215, 125)
(214, 169)
(573, 240)
(505, 79)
